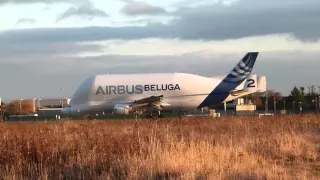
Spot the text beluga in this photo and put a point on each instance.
(135, 89)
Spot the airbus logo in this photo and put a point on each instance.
(135, 89)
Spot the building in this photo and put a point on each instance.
(47, 103)
(53, 113)
(47, 107)
(53, 103)
(42, 108)
(51, 107)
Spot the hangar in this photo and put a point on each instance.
(47, 107)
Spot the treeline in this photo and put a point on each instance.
(306, 98)
(17, 107)
(298, 94)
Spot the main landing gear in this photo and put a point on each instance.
(160, 115)
(151, 115)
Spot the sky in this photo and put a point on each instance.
(49, 44)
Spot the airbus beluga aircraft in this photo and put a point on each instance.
(125, 94)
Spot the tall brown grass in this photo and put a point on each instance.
(226, 148)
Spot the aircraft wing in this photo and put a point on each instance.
(152, 101)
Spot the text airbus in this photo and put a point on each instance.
(135, 89)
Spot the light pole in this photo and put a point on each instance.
(274, 104)
(300, 103)
(284, 105)
(39, 103)
(62, 97)
(20, 106)
(294, 107)
(104, 114)
(266, 103)
(34, 104)
(317, 99)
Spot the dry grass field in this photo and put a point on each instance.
(230, 148)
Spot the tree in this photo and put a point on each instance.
(258, 102)
(312, 91)
(302, 91)
(256, 99)
(298, 94)
(272, 94)
(14, 107)
(259, 98)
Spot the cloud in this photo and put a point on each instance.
(203, 39)
(212, 22)
(157, 46)
(44, 75)
(142, 8)
(19, 53)
(86, 11)
(154, 47)
(197, 3)
(250, 17)
(26, 20)
(41, 1)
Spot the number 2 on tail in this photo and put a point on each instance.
(251, 83)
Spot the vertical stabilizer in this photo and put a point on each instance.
(236, 76)
(243, 69)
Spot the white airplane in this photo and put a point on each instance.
(125, 94)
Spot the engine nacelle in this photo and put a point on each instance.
(123, 109)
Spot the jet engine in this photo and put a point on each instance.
(123, 109)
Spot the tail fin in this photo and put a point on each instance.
(238, 74)
(243, 69)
